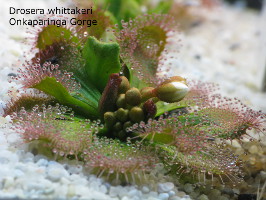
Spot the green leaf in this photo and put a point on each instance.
(124, 10)
(163, 138)
(28, 101)
(88, 93)
(50, 86)
(142, 49)
(166, 107)
(214, 159)
(103, 19)
(59, 132)
(123, 159)
(51, 34)
(115, 7)
(101, 60)
(162, 7)
(63, 50)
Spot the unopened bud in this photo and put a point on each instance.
(133, 97)
(147, 93)
(121, 101)
(126, 125)
(118, 126)
(136, 114)
(108, 99)
(172, 90)
(109, 119)
(121, 134)
(122, 114)
(124, 86)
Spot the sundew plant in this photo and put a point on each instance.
(100, 95)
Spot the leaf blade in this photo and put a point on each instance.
(101, 60)
(50, 86)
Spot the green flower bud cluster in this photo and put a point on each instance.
(124, 106)
(130, 109)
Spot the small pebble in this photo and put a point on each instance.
(5, 195)
(64, 180)
(186, 197)
(71, 190)
(165, 187)
(176, 198)
(181, 194)
(103, 189)
(8, 182)
(48, 191)
(236, 191)
(114, 191)
(228, 191)
(54, 173)
(171, 193)
(125, 198)
(163, 196)
(236, 144)
(188, 188)
(18, 173)
(134, 193)
(153, 194)
(194, 194)
(42, 162)
(263, 176)
(74, 169)
(145, 189)
(222, 198)
(253, 149)
(203, 197)
(214, 194)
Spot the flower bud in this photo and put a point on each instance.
(133, 97)
(136, 114)
(118, 126)
(108, 99)
(121, 134)
(122, 114)
(172, 90)
(121, 101)
(147, 93)
(124, 86)
(126, 125)
(109, 119)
